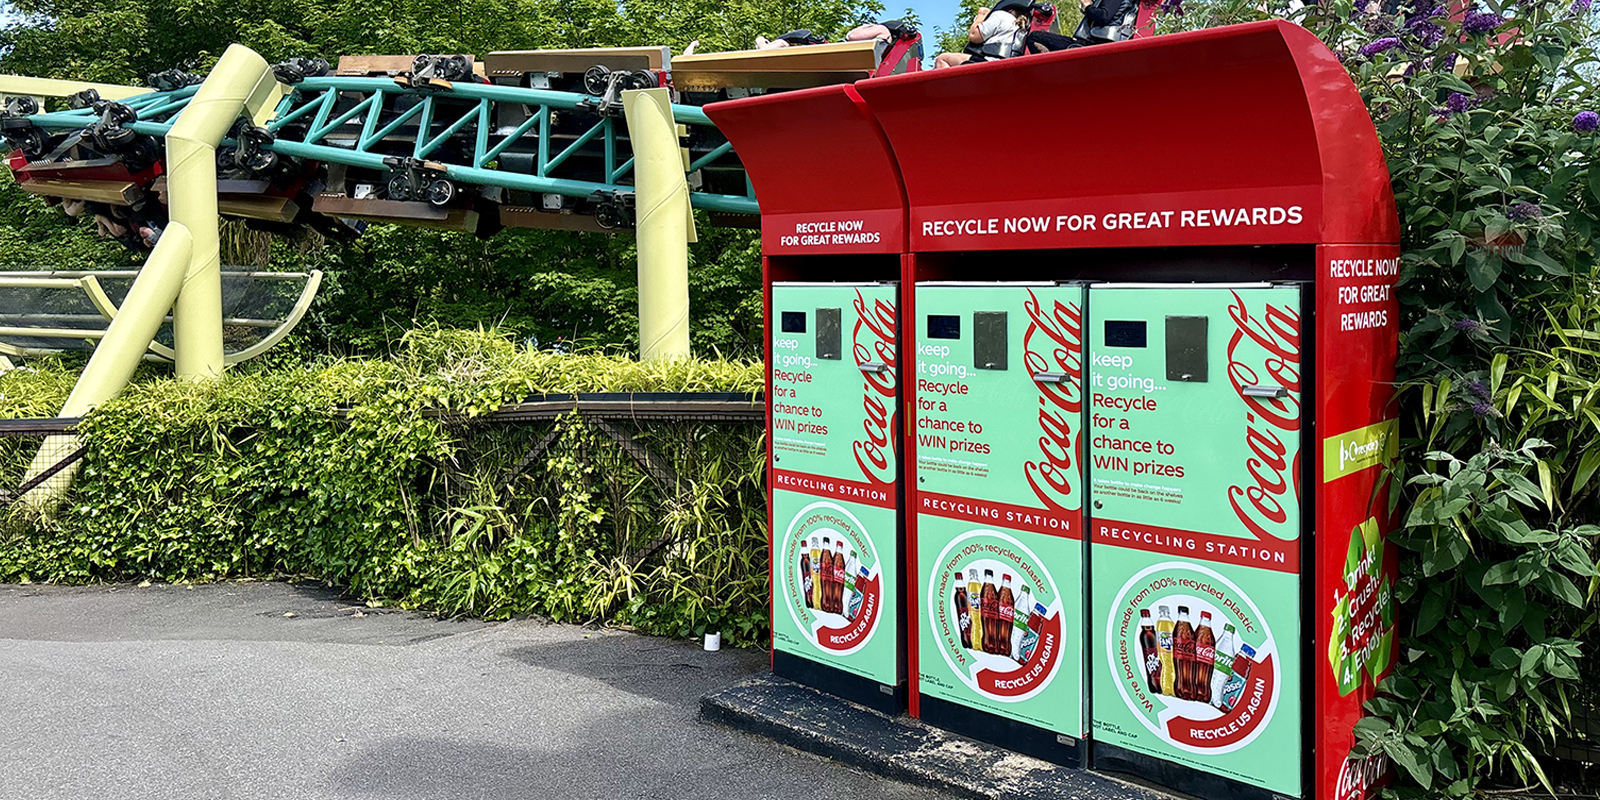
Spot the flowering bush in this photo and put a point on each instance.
(1489, 120)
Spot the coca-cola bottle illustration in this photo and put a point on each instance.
(1234, 688)
(1030, 640)
(840, 562)
(850, 592)
(1183, 653)
(1205, 653)
(1222, 664)
(805, 573)
(1169, 659)
(975, 597)
(1149, 651)
(820, 564)
(1002, 618)
(1019, 622)
(991, 611)
(963, 612)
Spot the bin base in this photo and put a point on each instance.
(1027, 739)
(1190, 781)
(876, 696)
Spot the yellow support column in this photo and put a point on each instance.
(239, 77)
(665, 224)
(115, 358)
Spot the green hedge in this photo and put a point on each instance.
(382, 477)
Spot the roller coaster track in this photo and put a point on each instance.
(544, 143)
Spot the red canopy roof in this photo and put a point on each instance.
(822, 171)
(1249, 134)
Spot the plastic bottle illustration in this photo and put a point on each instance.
(1019, 622)
(817, 549)
(1234, 689)
(1002, 618)
(805, 574)
(963, 611)
(856, 599)
(1030, 640)
(975, 599)
(1183, 654)
(1222, 664)
(838, 577)
(851, 601)
(1169, 669)
(1149, 651)
(1205, 654)
(991, 610)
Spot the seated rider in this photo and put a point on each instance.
(799, 38)
(1103, 22)
(993, 35)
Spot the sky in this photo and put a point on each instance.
(933, 13)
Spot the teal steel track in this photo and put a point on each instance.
(309, 124)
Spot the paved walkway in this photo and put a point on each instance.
(266, 690)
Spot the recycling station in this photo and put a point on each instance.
(831, 265)
(1079, 374)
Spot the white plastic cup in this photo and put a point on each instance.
(713, 642)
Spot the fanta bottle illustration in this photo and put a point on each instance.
(821, 575)
(975, 597)
(1169, 666)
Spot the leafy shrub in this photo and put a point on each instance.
(382, 477)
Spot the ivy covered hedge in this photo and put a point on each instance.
(381, 476)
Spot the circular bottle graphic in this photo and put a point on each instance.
(995, 612)
(1193, 657)
(831, 579)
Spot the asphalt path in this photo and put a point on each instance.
(268, 690)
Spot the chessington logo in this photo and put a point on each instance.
(1053, 475)
(1365, 452)
(873, 452)
(1277, 332)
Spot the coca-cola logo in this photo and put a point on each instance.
(1058, 348)
(1273, 423)
(1360, 775)
(873, 343)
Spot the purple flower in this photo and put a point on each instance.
(1172, 7)
(1442, 114)
(1382, 45)
(1524, 210)
(1425, 32)
(1479, 389)
(1458, 102)
(1468, 325)
(1478, 22)
(1586, 122)
(1484, 408)
(1580, 7)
